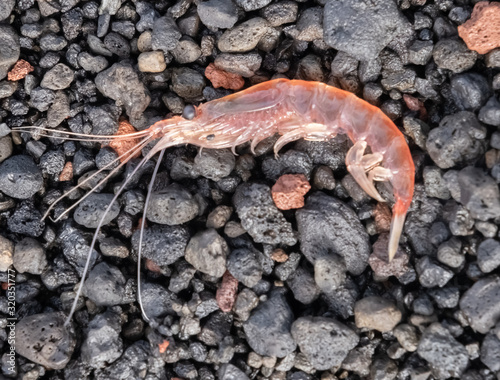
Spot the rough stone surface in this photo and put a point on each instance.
(218, 13)
(9, 49)
(92, 209)
(172, 206)
(376, 313)
(243, 37)
(482, 32)
(452, 54)
(207, 252)
(20, 178)
(479, 193)
(289, 190)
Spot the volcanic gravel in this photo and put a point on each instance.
(234, 287)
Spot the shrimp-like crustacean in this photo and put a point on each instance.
(294, 109)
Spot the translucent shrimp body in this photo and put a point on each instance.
(298, 109)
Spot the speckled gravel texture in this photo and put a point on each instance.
(234, 287)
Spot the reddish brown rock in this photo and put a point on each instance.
(226, 294)
(20, 70)
(379, 259)
(289, 190)
(279, 255)
(221, 78)
(121, 146)
(482, 31)
(382, 215)
(67, 172)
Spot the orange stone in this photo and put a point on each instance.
(163, 346)
(288, 192)
(279, 255)
(67, 172)
(121, 146)
(226, 294)
(221, 78)
(20, 70)
(482, 31)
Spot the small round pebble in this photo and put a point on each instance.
(29, 256)
(92, 209)
(152, 62)
(376, 313)
(207, 252)
(172, 206)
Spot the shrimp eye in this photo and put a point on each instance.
(210, 137)
(189, 112)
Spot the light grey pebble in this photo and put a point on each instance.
(453, 54)
(59, 110)
(243, 37)
(420, 52)
(165, 35)
(310, 24)
(10, 49)
(435, 186)
(172, 206)
(243, 264)
(186, 51)
(488, 255)
(214, 163)
(7, 88)
(431, 274)
(376, 313)
(328, 225)
(6, 253)
(102, 345)
(6, 148)
(329, 272)
(6, 8)
(470, 91)
(324, 341)
(121, 83)
(268, 328)
(242, 64)
(446, 356)
(207, 252)
(304, 289)
(231, 372)
(407, 336)
(490, 352)
(92, 209)
(246, 301)
(41, 98)
(490, 112)
(52, 42)
(187, 83)
(29, 256)
(260, 217)
(218, 13)
(458, 139)
(105, 285)
(110, 7)
(282, 12)
(20, 178)
(113, 247)
(450, 253)
(58, 78)
(93, 64)
(479, 193)
(152, 62)
(361, 28)
(219, 216)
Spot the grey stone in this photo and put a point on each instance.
(20, 178)
(6, 148)
(479, 193)
(361, 28)
(260, 217)
(117, 44)
(310, 24)
(52, 42)
(268, 328)
(7, 88)
(243, 264)
(328, 225)
(218, 13)
(93, 209)
(105, 285)
(324, 341)
(231, 372)
(186, 51)
(280, 13)
(420, 52)
(29, 256)
(488, 255)
(407, 336)
(435, 186)
(470, 91)
(6, 8)
(302, 284)
(431, 274)
(242, 64)
(449, 253)
(58, 78)
(43, 339)
(172, 206)
(157, 301)
(453, 54)
(165, 34)
(219, 216)
(121, 83)
(207, 252)
(459, 139)
(481, 304)
(446, 356)
(376, 313)
(490, 112)
(10, 49)
(329, 272)
(243, 37)
(187, 83)
(490, 352)
(94, 64)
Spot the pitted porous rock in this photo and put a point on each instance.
(324, 341)
(172, 206)
(243, 37)
(92, 209)
(43, 339)
(20, 178)
(260, 217)
(479, 193)
(327, 225)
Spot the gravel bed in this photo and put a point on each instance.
(236, 286)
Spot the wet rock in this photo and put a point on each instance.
(172, 206)
(243, 264)
(214, 164)
(9, 49)
(280, 13)
(121, 83)
(328, 225)
(243, 37)
(20, 178)
(93, 209)
(324, 341)
(187, 83)
(207, 252)
(446, 356)
(165, 34)
(361, 28)
(58, 78)
(231, 372)
(490, 352)
(481, 304)
(260, 217)
(268, 328)
(452, 54)
(376, 313)
(479, 193)
(218, 13)
(29, 257)
(458, 139)
(470, 91)
(490, 112)
(105, 285)
(164, 245)
(488, 255)
(43, 339)
(102, 344)
(241, 64)
(481, 33)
